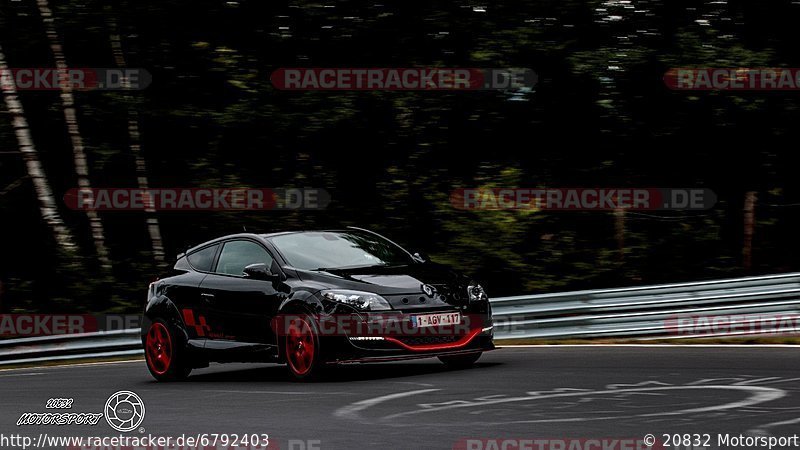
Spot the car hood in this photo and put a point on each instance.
(397, 280)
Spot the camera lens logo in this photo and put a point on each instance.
(124, 411)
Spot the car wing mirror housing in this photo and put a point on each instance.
(260, 271)
(421, 257)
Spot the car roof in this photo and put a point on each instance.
(282, 233)
(254, 236)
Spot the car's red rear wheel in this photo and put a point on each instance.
(163, 354)
(302, 348)
(158, 346)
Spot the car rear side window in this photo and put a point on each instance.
(236, 255)
(202, 260)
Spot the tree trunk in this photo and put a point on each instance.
(153, 227)
(71, 119)
(749, 225)
(619, 231)
(47, 202)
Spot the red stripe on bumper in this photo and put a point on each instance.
(421, 348)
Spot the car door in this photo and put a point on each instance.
(240, 308)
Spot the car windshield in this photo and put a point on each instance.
(338, 250)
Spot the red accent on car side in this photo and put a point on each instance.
(200, 327)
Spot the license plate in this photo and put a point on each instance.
(435, 320)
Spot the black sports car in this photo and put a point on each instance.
(310, 299)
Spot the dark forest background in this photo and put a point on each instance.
(599, 116)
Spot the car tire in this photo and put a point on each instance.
(460, 361)
(164, 352)
(302, 350)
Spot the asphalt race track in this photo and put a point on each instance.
(512, 393)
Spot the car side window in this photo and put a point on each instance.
(202, 260)
(236, 255)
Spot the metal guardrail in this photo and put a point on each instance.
(70, 347)
(646, 312)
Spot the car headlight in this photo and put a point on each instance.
(362, 301)
(476, 293)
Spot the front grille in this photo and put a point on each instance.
(448, 294)
(444, 295)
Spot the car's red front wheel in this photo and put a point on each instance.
(163, 354)
(302, 348)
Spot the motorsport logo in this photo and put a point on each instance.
(124, 411)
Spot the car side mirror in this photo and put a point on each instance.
(260, 271)
(421, 257)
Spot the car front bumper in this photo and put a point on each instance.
(474, 336)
